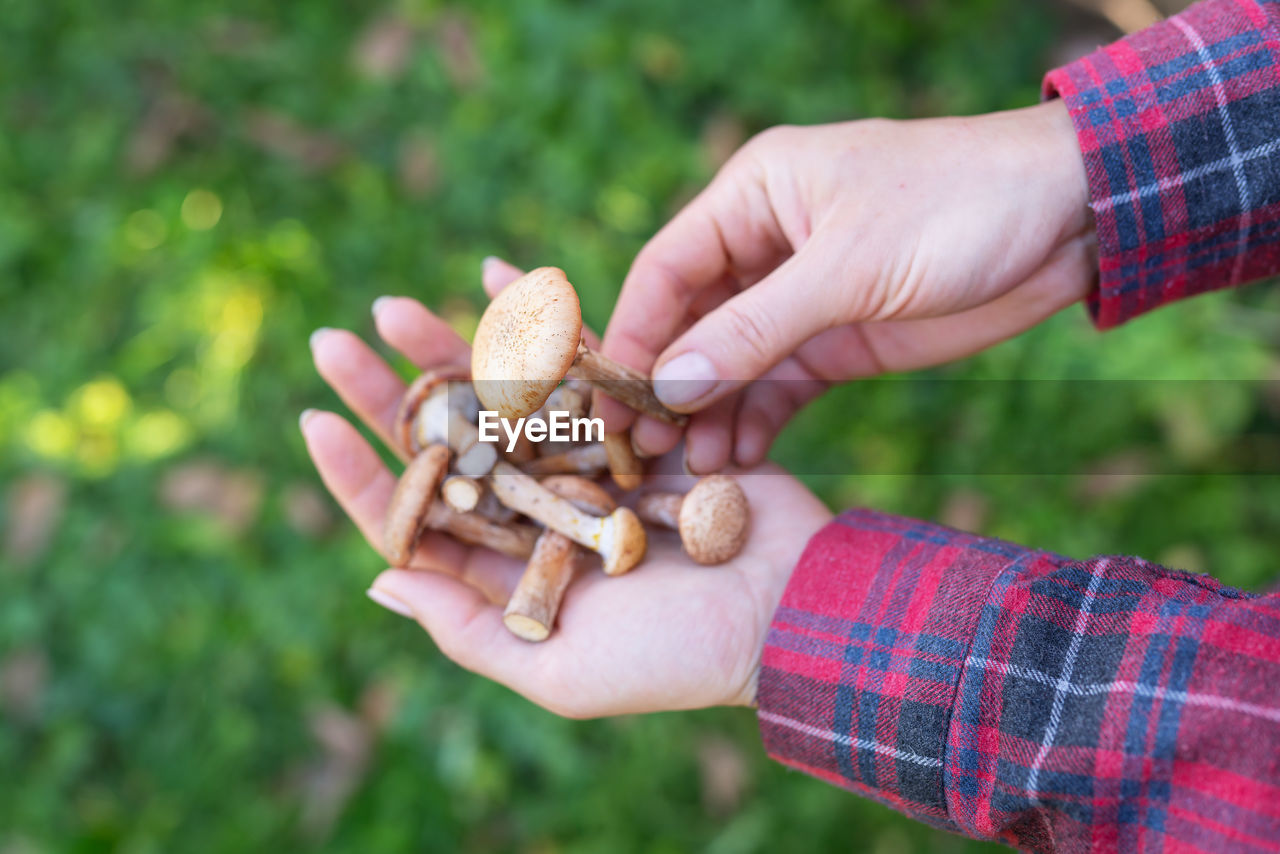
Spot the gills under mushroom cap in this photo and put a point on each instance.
(526, 342)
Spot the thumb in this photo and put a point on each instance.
(744, 337)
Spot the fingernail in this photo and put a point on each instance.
(487, 262)
(378, 304)
(389, 602)
(686, 378)
(314, 340)
(304, 417)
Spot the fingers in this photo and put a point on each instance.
(729, 228)
(465, 626)
(744, 337)
(424, 339)
(709, 439)
(362, 486)
(767, 405)
(351, 470)
(361, 378)
(496, 274)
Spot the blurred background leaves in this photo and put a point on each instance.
(187, 661)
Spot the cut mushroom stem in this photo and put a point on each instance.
(461, 493)
(624, 466)
(530, 338)
(712, 518)
(586, 459)
(619, 537)
(414, 507)
(531, 610)
(533, 606)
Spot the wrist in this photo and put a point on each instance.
(1056, 149)
(782, 560)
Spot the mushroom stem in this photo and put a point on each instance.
(512, 539)
(622, 383)
(531, 610)
(414, 506)
(712, 518)
(624, 466)
(618, 537)
(660, 508)
(587, 459)
(461, 493)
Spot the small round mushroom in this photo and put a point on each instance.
(619, 537)
(530, 337)
(712, 518)
(414, 507)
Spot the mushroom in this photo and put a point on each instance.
(712, 518)
(532, 608)
(414, 507)
(534, 603)
(436, 408)
(587, 495)
(619, 537)
(530, 337)
(584, 459)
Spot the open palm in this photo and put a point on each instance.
(669, 635)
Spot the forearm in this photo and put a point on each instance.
(1012, 694)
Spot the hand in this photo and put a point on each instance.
(822, 254)
(669, 635)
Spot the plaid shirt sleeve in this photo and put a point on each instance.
(1179, 126)
(1016, 695)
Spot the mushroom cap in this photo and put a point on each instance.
(414, 493)
(526, 341)
(587, 495)
(413, 398)
(623, 545)
(714, 518)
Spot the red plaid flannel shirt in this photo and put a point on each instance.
(1054, 704)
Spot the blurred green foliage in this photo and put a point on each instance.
(188, 189)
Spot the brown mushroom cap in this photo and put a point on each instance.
(714, 517)
(526, 341)
(414, 493)
(415, 395)
(587, 495)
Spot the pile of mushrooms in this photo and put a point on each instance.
(542, 502)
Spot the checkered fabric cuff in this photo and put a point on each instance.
(865, 655)
(1179, 126)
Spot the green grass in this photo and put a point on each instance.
(167, 660)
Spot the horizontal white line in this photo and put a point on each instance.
(1213, 701)
(1266, 149)
(859, 743)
